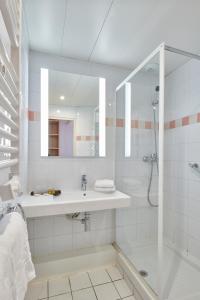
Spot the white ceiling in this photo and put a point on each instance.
(78, 90)
(114, 32)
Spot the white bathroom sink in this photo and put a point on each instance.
(71, 202)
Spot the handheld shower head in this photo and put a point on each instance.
(156, 101)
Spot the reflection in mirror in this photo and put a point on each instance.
(73, 115)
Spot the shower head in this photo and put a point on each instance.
(156, 101)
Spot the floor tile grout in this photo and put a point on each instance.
(48, 289)
(92, 285)
(70, 286)
(113, 283)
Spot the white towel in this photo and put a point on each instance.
(104, 183)
(105, 190)
(16, 267)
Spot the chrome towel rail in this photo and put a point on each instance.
(7, 208)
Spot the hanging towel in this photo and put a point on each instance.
(16, 267)
(104, 183)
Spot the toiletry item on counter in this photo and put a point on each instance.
(104, 183)
(105, 190)
(105, 186)
(53, 192)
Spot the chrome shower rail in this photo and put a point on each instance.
(156, 51)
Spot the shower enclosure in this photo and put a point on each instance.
(157, 163)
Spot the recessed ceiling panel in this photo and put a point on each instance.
(114, 32)
(45, 24)
(136, 27)
(84, 21)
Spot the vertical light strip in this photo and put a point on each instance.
(102, 117)
(44, 73)
(161, 169)
(128, 119)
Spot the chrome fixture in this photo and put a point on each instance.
(153, 158)
(194, 166)
(84, 182)
(85, 220)
(143, 273)
(7, 208)
(155, 102)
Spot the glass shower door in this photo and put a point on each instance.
(137, 157)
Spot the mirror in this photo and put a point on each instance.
(73, 117)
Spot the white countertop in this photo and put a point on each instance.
(70, 202)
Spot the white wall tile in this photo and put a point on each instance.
(43, 227)
(62, 243)
(60, 234)
(62, 225)
(194, 247)
(43, 246)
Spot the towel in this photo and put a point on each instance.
(105, 190)
(104, 183)
(16, 267)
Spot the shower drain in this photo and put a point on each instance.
(143, 273)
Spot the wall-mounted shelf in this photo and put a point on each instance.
(53, 137)
(53, 134)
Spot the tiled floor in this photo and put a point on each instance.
(99, 284)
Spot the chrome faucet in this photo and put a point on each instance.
(83, 182)
(151, 158)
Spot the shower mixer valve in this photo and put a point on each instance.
(150, 158)
(194, 166)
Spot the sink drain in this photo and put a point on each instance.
(143, 273)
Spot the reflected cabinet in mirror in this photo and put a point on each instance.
(73, 115)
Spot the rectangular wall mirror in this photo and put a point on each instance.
(73, 115)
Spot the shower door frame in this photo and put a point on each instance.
(160, 50)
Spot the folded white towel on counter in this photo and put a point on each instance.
(105, 190)
(104, 183)
(16, 267)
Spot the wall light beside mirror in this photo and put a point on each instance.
(73, 115)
